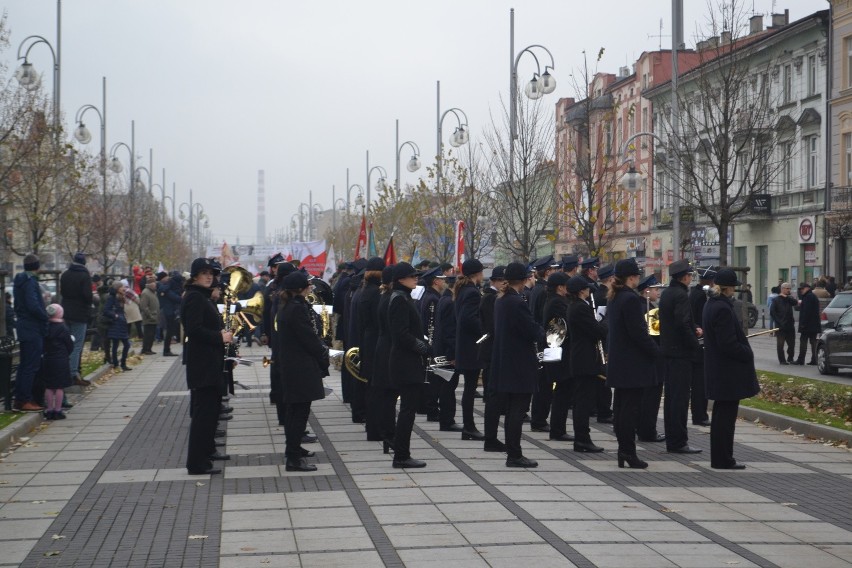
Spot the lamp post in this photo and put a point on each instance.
(541, 84)
(172, 199)
(360, 196)
(83, 136)
(460, 134)
(382, 173)
(190, 208)
(28, 77)
(334, 207)
(413, 164)
(115, 163)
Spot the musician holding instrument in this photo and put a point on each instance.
(558, 372)
(539, 295)
(438, 390)
(728, 368)
(697, 299)
(204, 344)
(514, 361)
(495, 290)
(407, 363)
(304, 363)
(649, 408)
(445, 346)
(367, 317)
(358, 388)
(466, 298)
(632, 363)
(585, 361)
(679, 343)
(380, 384)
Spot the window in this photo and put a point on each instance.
(788, 84)
(847, 151)
(644, 120)
(848, 67)
(608, 138)
(812, 75)
(787, 167)
(764, 90)
(644, 81)
(813, 161)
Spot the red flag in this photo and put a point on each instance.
(459, 256)
(390, 253)
(362, 238)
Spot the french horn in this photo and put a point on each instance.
(352, 360)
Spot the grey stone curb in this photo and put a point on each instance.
(26, 424)
(803, 427)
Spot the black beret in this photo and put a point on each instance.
(557, 279)
(569, 261)
(403, 270)
(202, 263)
(375, 263)
(679, 267)
(296, 280)
(471, 266)
(498, 273)
(726, 277)
(626, 267)
(516, 271)
(577, 283)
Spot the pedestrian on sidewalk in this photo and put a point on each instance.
(58, 347)
(31, 328)
(149, 305)
(117, 330)
(168, 292)
(204, 358)
(75, 284)
(781, 311)
(809, 325)
(728, 368)
(132, 311)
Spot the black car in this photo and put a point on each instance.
(834, 348)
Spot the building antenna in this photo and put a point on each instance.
(659, 36)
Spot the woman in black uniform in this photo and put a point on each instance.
(204, 353)
(558, 372)
(385, 393)
(466, 299)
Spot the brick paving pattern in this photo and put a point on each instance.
(106, 487)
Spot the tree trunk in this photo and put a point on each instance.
(723, 241)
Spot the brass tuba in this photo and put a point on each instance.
(653, 319)
(352, 360)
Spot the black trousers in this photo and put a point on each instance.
(429, 400)
(204, 412)
(172, 328)
(787, 336)
(494, 407)
(585, 387)
(560, 403)
(516, 405)
(148, 331)
(649, 410)
(346, 381)
(386, 410)
(447, 400)
(625, 404)
(409, 400)
(698, 402)
(358, 400)
(722, 433)
(804, 339)
(125, 347)
(676, 405)
(295, 422)
(372, 413)
(541, 400)
(471, 379)
(604, 400)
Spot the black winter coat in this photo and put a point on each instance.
(29, 307)
(428, 308)
(368, 311)
(538, 298)
(304, 357)
(114, 311)
(514, 362)
(809, 314)
(697, 299)
(408, 348)
(486, 320)
(446, 331)
(728, 359)
(632, 354)
(585, 332)
(677, 328)
(170, 299)
(75, 284)
(468, 327)
(354, 331)
(340, 289)
(781, 311)
(203, 350)
(381, 371)
(57, 354)
(556, 307)
(270, 310)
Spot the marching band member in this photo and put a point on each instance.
(406, 361)
(438, 393)
(540, 293)
(585, 360)
(728, 368)
(385, 392)
(353, 338)
(697, 299)
(649, 409)
(556, 308)
(306, 358)
(466, 299)
(633, 355)
(679, 343)
(495, 290)
(367, 318)
(445, 346)
(515, 360)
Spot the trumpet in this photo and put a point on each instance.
(267, 361)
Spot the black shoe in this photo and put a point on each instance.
(732, 466)
(374, 438)
(526, 417)
(169, 354)
(410, 463)
(225, 417)
(59, 415)
(494, 446)
(208, 471)
(66, 404)
(387, 447)
(299, 464)
(521, 462)
(632, 460)
(562, 438)
(587, 447)
(798, 362)
(432, 418)
(358, 420)
(216, 456)
(477, 394)
(684, 450)
(783, 363)
(542, 427)
(220, 433)
(126, 368)
(305, 453)
(226, 409)
(655, 439)
(452, 428)
(812, 363)
(308, 438)
(791, 361)
(704, 422)
(605, 420)
(472, 434)
(219, 444)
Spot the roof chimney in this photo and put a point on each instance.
(623, 72)
(779, 20)
(755, 24)
(726, 38)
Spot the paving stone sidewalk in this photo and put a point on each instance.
(107, 487)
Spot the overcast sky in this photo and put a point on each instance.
(220, 89)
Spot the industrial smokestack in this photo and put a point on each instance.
(261, 209)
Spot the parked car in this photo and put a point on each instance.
(834, 348)
(839, 304)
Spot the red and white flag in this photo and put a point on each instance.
(311, 256)
(459, 256)
(390, 252)
(362, 238)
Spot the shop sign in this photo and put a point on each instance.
(761, 204)
(807, 230)
(810, 255)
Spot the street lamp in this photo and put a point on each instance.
(29, 78)
(383, 175)
(83, 136)
(459, 137)
(413, 164)
(115, 164)
(360, 196)
(138, 184)
(541, 84)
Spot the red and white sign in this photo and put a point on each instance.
(807, 230)
(459, 256)
(311, 256)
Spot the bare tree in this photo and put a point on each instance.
(523, 187)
